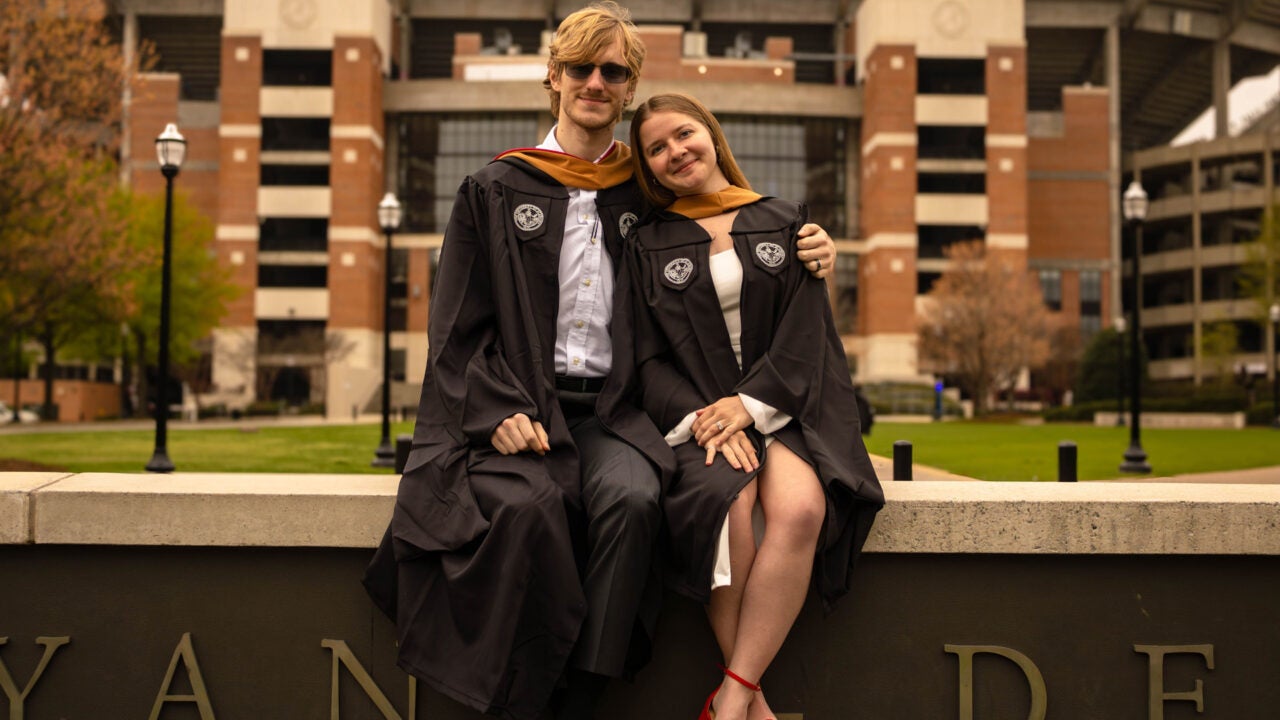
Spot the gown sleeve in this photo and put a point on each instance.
(474, 383)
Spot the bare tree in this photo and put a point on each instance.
(984, 322)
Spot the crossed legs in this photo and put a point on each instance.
(751, 617)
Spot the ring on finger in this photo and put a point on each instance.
(720, 426)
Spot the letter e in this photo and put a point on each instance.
(1156, 696)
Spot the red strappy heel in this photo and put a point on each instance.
(707, 713)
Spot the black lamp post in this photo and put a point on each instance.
(1135, 211)
(1119, 325)
(1275, 365)
(171, 149)
(389, 219)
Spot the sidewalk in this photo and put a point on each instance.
(1252, 476)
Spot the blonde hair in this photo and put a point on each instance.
(656, 194)
(587, 33)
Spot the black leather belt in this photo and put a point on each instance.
(579, 384)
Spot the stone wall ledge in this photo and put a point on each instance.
(922, 517)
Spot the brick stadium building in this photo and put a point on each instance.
(906, 125)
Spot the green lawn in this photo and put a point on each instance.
(991, 451)
(1019, 452)
(316, 449)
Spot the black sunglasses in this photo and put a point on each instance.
(611, 72)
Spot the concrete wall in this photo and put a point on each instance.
(1097, 600)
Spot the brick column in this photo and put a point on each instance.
(887, 271)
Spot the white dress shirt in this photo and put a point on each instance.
(583, 345)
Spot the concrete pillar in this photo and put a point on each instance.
(1113, 174)
(128, 47)
(1221, 81)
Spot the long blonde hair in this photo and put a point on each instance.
(656, 194)
(587, 33)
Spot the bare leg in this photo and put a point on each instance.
(726, 602)
(794, 508)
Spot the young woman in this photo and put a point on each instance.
(742, 369)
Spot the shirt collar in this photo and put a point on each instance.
(551, 143)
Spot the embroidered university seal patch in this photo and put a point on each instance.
(625, 222)
(528, 217)
(771, 254)
(678, 270)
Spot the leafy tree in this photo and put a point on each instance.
(201, 287)
(61, 82)
(1097, 378)
(1219, 343)
(985, 321)
(1259, 277)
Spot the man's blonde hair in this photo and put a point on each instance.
(588, 32)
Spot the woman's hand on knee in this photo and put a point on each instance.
(717, 422)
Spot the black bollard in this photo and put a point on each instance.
(902, 460)
(403, 445)
(1066, 461)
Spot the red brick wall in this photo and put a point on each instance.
(356, 176)
(1007, 91)
(1068, 196)
(155, 104)
(355, 290)
(420, 277)
(886, 299)
(238, 180)
(889, 95)
(77, 400)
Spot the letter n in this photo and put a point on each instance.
(18, 700)
(342, 655)
(199, 693)
(1039, 696)
(1156, 696)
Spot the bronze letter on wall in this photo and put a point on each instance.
(1039, 695)
(199, 694)
(1156, 696)
(17, 700)
(342, 655)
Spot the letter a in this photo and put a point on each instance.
(199, 694)
(17, 700)
(1039, 696)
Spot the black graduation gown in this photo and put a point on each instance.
(792, 359)
(480, 565)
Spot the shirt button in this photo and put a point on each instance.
(577, 361)
(587, 282)
(579, 324)
(594, 241)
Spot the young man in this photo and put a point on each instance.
(520, 549)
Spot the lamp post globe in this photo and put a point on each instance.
(389, 213)
(171, 150)
(1135, 205)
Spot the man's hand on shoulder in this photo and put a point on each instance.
(518, 433)
(814, 244)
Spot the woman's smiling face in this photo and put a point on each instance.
(680, 153)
